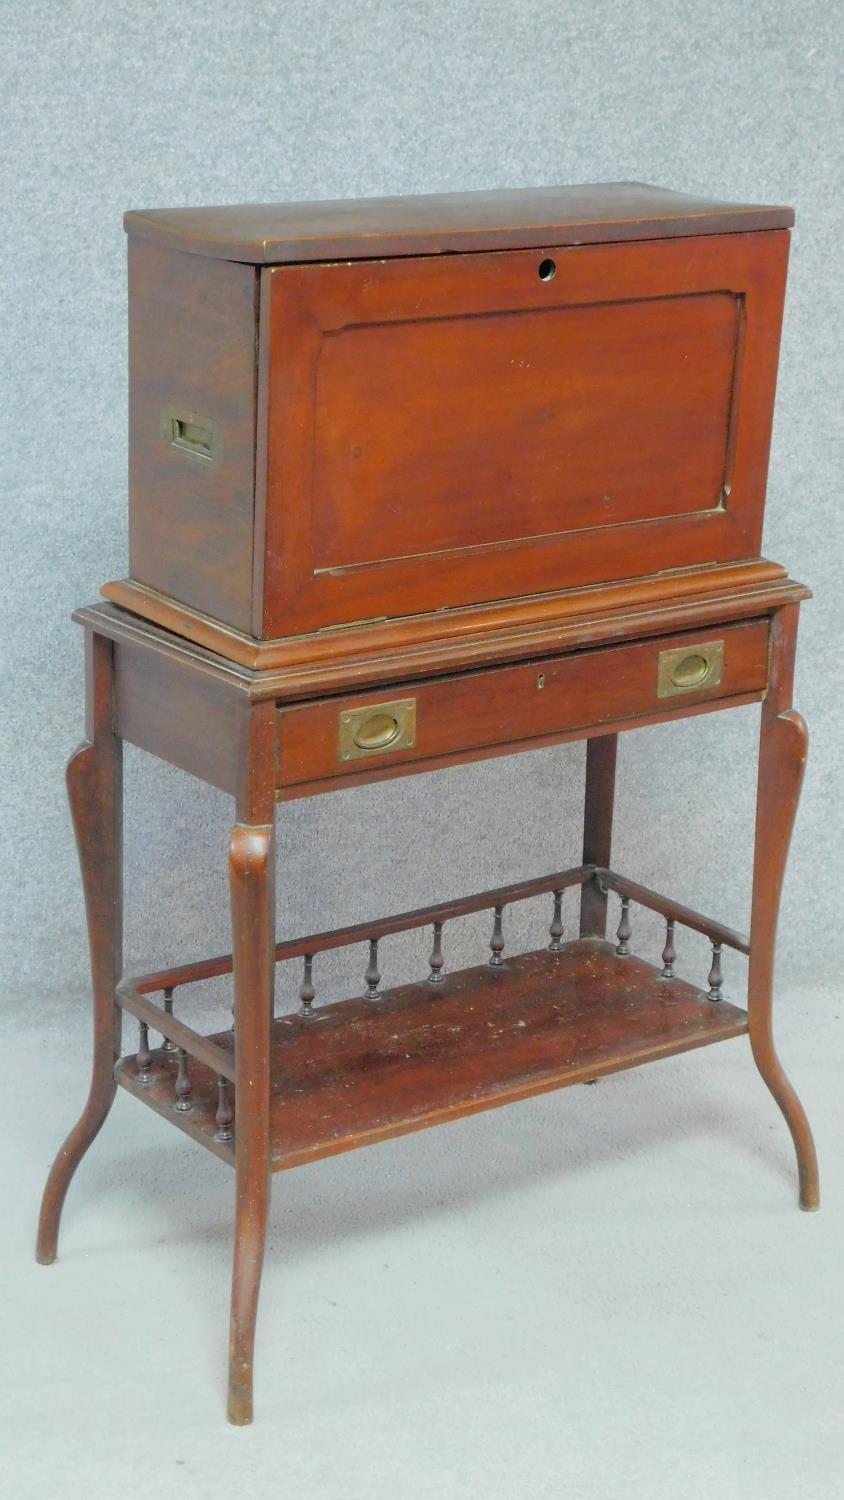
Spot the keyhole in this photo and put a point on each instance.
(547, 270)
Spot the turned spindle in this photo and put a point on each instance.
(225, 1113)
(669, 952)
(624, 929)
(496, 942)
(716, 977)
(184, 1101)
(167, 1045)
(556, 929)
(307, 993)
(436, 960)
(143, 1060)
(372, 977)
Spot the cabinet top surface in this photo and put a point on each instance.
(441, 223)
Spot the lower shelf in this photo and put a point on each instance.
(363, 1071)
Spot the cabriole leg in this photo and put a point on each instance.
(251, 874)
(782, 756)
(94, 784)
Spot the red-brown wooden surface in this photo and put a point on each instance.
(192, 346)
(446, 431)
(362, 1071)
(513, 705)
(437, 223)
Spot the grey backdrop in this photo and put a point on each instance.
(606, 1293)
(116, 105)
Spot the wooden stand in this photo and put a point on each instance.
(275, 1093)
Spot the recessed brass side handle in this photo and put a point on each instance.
(377, 729)
(189, 433)
(689, 669)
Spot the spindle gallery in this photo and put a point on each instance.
(415, 482)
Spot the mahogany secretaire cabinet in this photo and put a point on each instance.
(413, 482)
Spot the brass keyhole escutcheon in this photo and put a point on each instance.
(377, 732)
(377, 728)
(689, 669)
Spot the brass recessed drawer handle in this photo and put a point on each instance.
(377, 728)
(689, 669)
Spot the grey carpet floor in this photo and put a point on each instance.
(607, 1292)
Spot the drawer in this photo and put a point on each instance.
(449, 719)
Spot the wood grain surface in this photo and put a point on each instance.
(363, 1071)
(436, 223)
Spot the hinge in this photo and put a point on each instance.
(353, 624)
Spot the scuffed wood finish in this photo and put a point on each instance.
(373, 774)
(94, 786)
(446, 432)
(499, 482)
(192, 346)
(422, 1055)
(584, 397)
(341, 1076)
(456, 717)
(363, 1071)
(438, 223)
(783, 747)
(192, 709)
(252, 884)
(333, 660)
(194, 719)
(537, 379)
